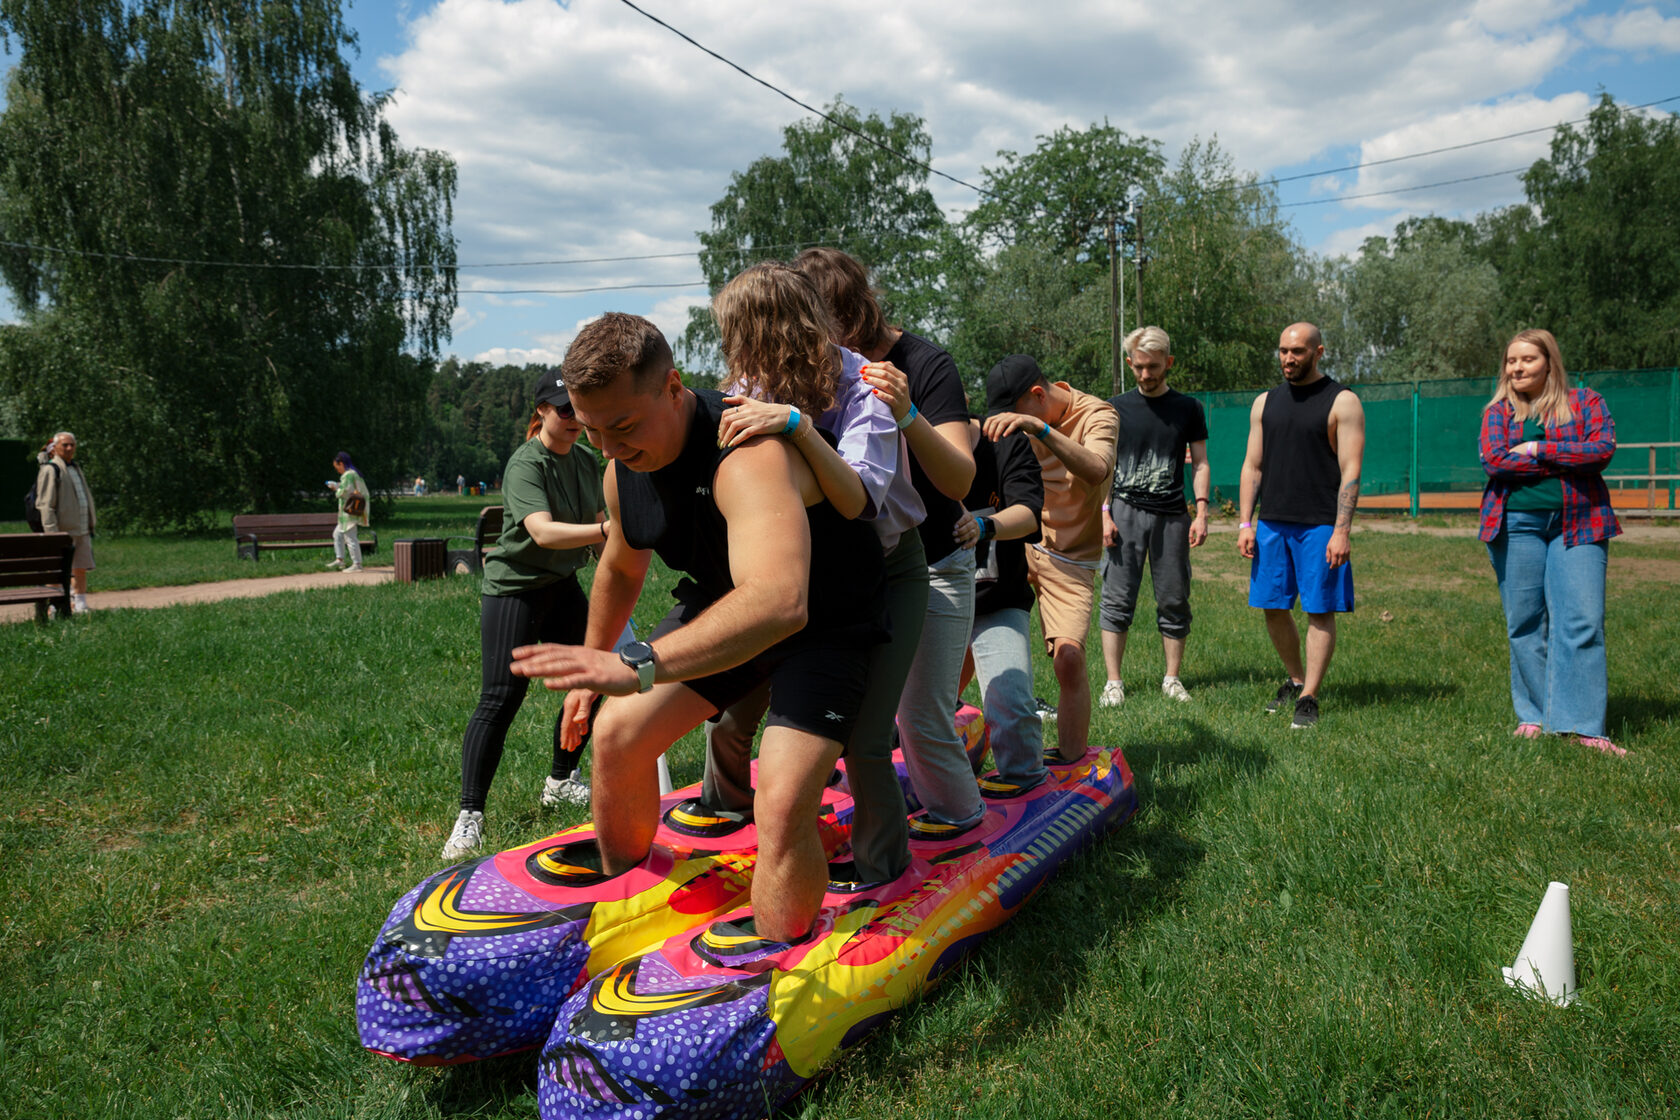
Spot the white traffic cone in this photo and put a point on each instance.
(1546, 963)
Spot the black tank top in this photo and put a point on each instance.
(673, 512)
(1299, 474)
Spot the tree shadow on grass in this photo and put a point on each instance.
(1635, 715)
(1365, 694)
(1048, 951)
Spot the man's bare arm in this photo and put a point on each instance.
(1347, 436)
(619, 576)
(761, 490)
(1250, 490)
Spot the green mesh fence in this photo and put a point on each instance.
(1420, 436)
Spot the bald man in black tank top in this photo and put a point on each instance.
(1306, 441)
(778, 586)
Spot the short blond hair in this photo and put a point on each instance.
(1152, 339)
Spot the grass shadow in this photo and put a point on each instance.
(1365, 694)
(1636, 715)
(1116, 883)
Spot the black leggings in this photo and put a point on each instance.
(559, 613)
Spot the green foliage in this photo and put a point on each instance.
(831, 187)
(476, 414)
(1041, 242)
(1425, 303)
(228, 132)
(1599, 266)
(1222, 275)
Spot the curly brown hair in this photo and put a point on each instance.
(778, 340)
(843, 284)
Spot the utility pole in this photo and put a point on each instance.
(1116, 309)
(1137, 255)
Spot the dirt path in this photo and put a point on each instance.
(214, 592)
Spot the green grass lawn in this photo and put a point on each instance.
(128, 560)
(209, 810)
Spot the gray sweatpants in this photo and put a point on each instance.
(1163, 539)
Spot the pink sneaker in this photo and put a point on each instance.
(1527, 731)
(1600, 743)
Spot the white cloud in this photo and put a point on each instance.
(587, 131)
(1393, 184)
(1346, 241)
(1637, 30)
(519, 356)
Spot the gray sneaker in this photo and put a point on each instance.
(1306, 712)
(564, 791)
(1286, 694)
(466, 838)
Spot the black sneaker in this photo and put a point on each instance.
(1046, 711)
(1286, 694)
(1306, 712)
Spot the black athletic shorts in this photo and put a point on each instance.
(814, 687)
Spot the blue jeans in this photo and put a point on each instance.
(939, 770)
(1002, 649)
(1554, 616)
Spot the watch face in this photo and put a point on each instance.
(636, 651)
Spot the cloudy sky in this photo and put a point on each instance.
(584, 130)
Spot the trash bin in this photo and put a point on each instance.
(419, 558)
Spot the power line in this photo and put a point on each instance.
(700, 283)
(929, 168)
(1448, 148)
(1404, 190)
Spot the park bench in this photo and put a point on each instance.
(461, 562)
(35, 568)
(253, 532)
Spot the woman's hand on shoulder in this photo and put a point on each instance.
(890, 385)
(747, 417)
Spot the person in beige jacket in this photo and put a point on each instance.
(66, 505)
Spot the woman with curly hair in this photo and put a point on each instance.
(789, 377)
(1547, 522)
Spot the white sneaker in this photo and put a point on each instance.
(354, 568)
(334, 565)
(1173, 689)
(78, 604)
(1113, 695)
(564, 791)
(467, 837)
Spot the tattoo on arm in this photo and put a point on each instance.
(1346, 500)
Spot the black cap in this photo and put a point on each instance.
(1009, 381)
(551, 390)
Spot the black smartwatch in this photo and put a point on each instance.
(639, 656)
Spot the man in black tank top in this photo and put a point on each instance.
(778, 587)
(1306, 441)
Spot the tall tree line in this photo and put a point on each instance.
(1593, 254)
(228, 265)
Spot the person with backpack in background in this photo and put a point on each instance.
(352, 512)
(64, 504)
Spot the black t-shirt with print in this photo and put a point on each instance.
(1149, 456)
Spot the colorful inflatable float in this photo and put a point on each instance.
(720, 1023)
(475, 960)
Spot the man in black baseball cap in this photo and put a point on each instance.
(1073, 435)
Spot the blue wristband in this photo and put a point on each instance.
(793, 421)
(909, 418)
(1045, 434)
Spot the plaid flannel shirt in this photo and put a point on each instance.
(1576, 453)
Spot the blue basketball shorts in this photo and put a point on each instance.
(1289, 560)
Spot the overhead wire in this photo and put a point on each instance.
(850, 129)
